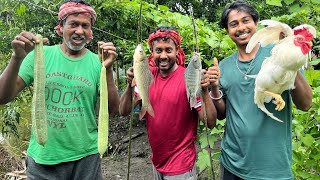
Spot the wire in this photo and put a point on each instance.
(53, 12)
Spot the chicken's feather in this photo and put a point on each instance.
(310, 28)
(279, 70)
(269, 35)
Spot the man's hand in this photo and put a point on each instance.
(214, 74)
(205, 82)
(109, 53)
(130, 75)
(23, 43)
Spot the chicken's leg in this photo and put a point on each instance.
(277, 100)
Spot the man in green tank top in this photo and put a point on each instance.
(254, 146)
(72, 81)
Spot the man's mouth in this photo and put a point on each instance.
(78, 40)
(163, 63)
(242, 35)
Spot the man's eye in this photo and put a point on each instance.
(86, 26)
(73, 24)
(246, 21)
(233, 24)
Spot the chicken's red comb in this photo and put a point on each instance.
(304, 32)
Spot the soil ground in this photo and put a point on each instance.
(115, 162)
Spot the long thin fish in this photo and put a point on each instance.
(143, 78)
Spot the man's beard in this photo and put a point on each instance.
(75, 48)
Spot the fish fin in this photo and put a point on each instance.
(150, 110)
(142, 113)
(188, 95)
(134, 83)
(199, 92)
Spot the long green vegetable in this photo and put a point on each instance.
(39, 120)
(103, 122)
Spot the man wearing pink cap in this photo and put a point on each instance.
(72, 75)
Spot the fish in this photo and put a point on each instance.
(192, 77)
(143, 79)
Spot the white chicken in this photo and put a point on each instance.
(278, 71)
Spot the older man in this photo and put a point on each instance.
(72, 75)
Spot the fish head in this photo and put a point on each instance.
(196, 61)
(139, 54)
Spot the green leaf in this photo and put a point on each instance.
(317, 156)
(208, 62)
(296, 156)
(305, 7)
(213, 41)
(21, 10)
(203, 160)
(221, 122)
(163, 8)
(312, 75)
(203, 140)
(215, 131)
(288, 2)
(304, 175)
(307, 140)
(274, 2)
(36, 1)
(315, 1)
(314, 62)
(294, 8)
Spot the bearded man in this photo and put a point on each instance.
(72, 75)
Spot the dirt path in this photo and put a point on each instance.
(115, 164)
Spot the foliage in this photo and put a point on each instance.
(118, 22)
(306, 125)
(306, 136)
(216, 135)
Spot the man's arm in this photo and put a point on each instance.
(113, 96)
(215, 94)
(10, 83)
(109, 55)
(302, 94)
(126, 98)
(211, 112)
(218, 102)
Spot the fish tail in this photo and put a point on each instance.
(193, 101)
(150, 110)
(142, 113)
(144, 109)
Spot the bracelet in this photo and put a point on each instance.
(213, 98)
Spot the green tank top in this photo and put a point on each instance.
(71, 90)
(254, 146)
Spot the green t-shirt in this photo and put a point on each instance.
(254, 146)
(71, 91)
